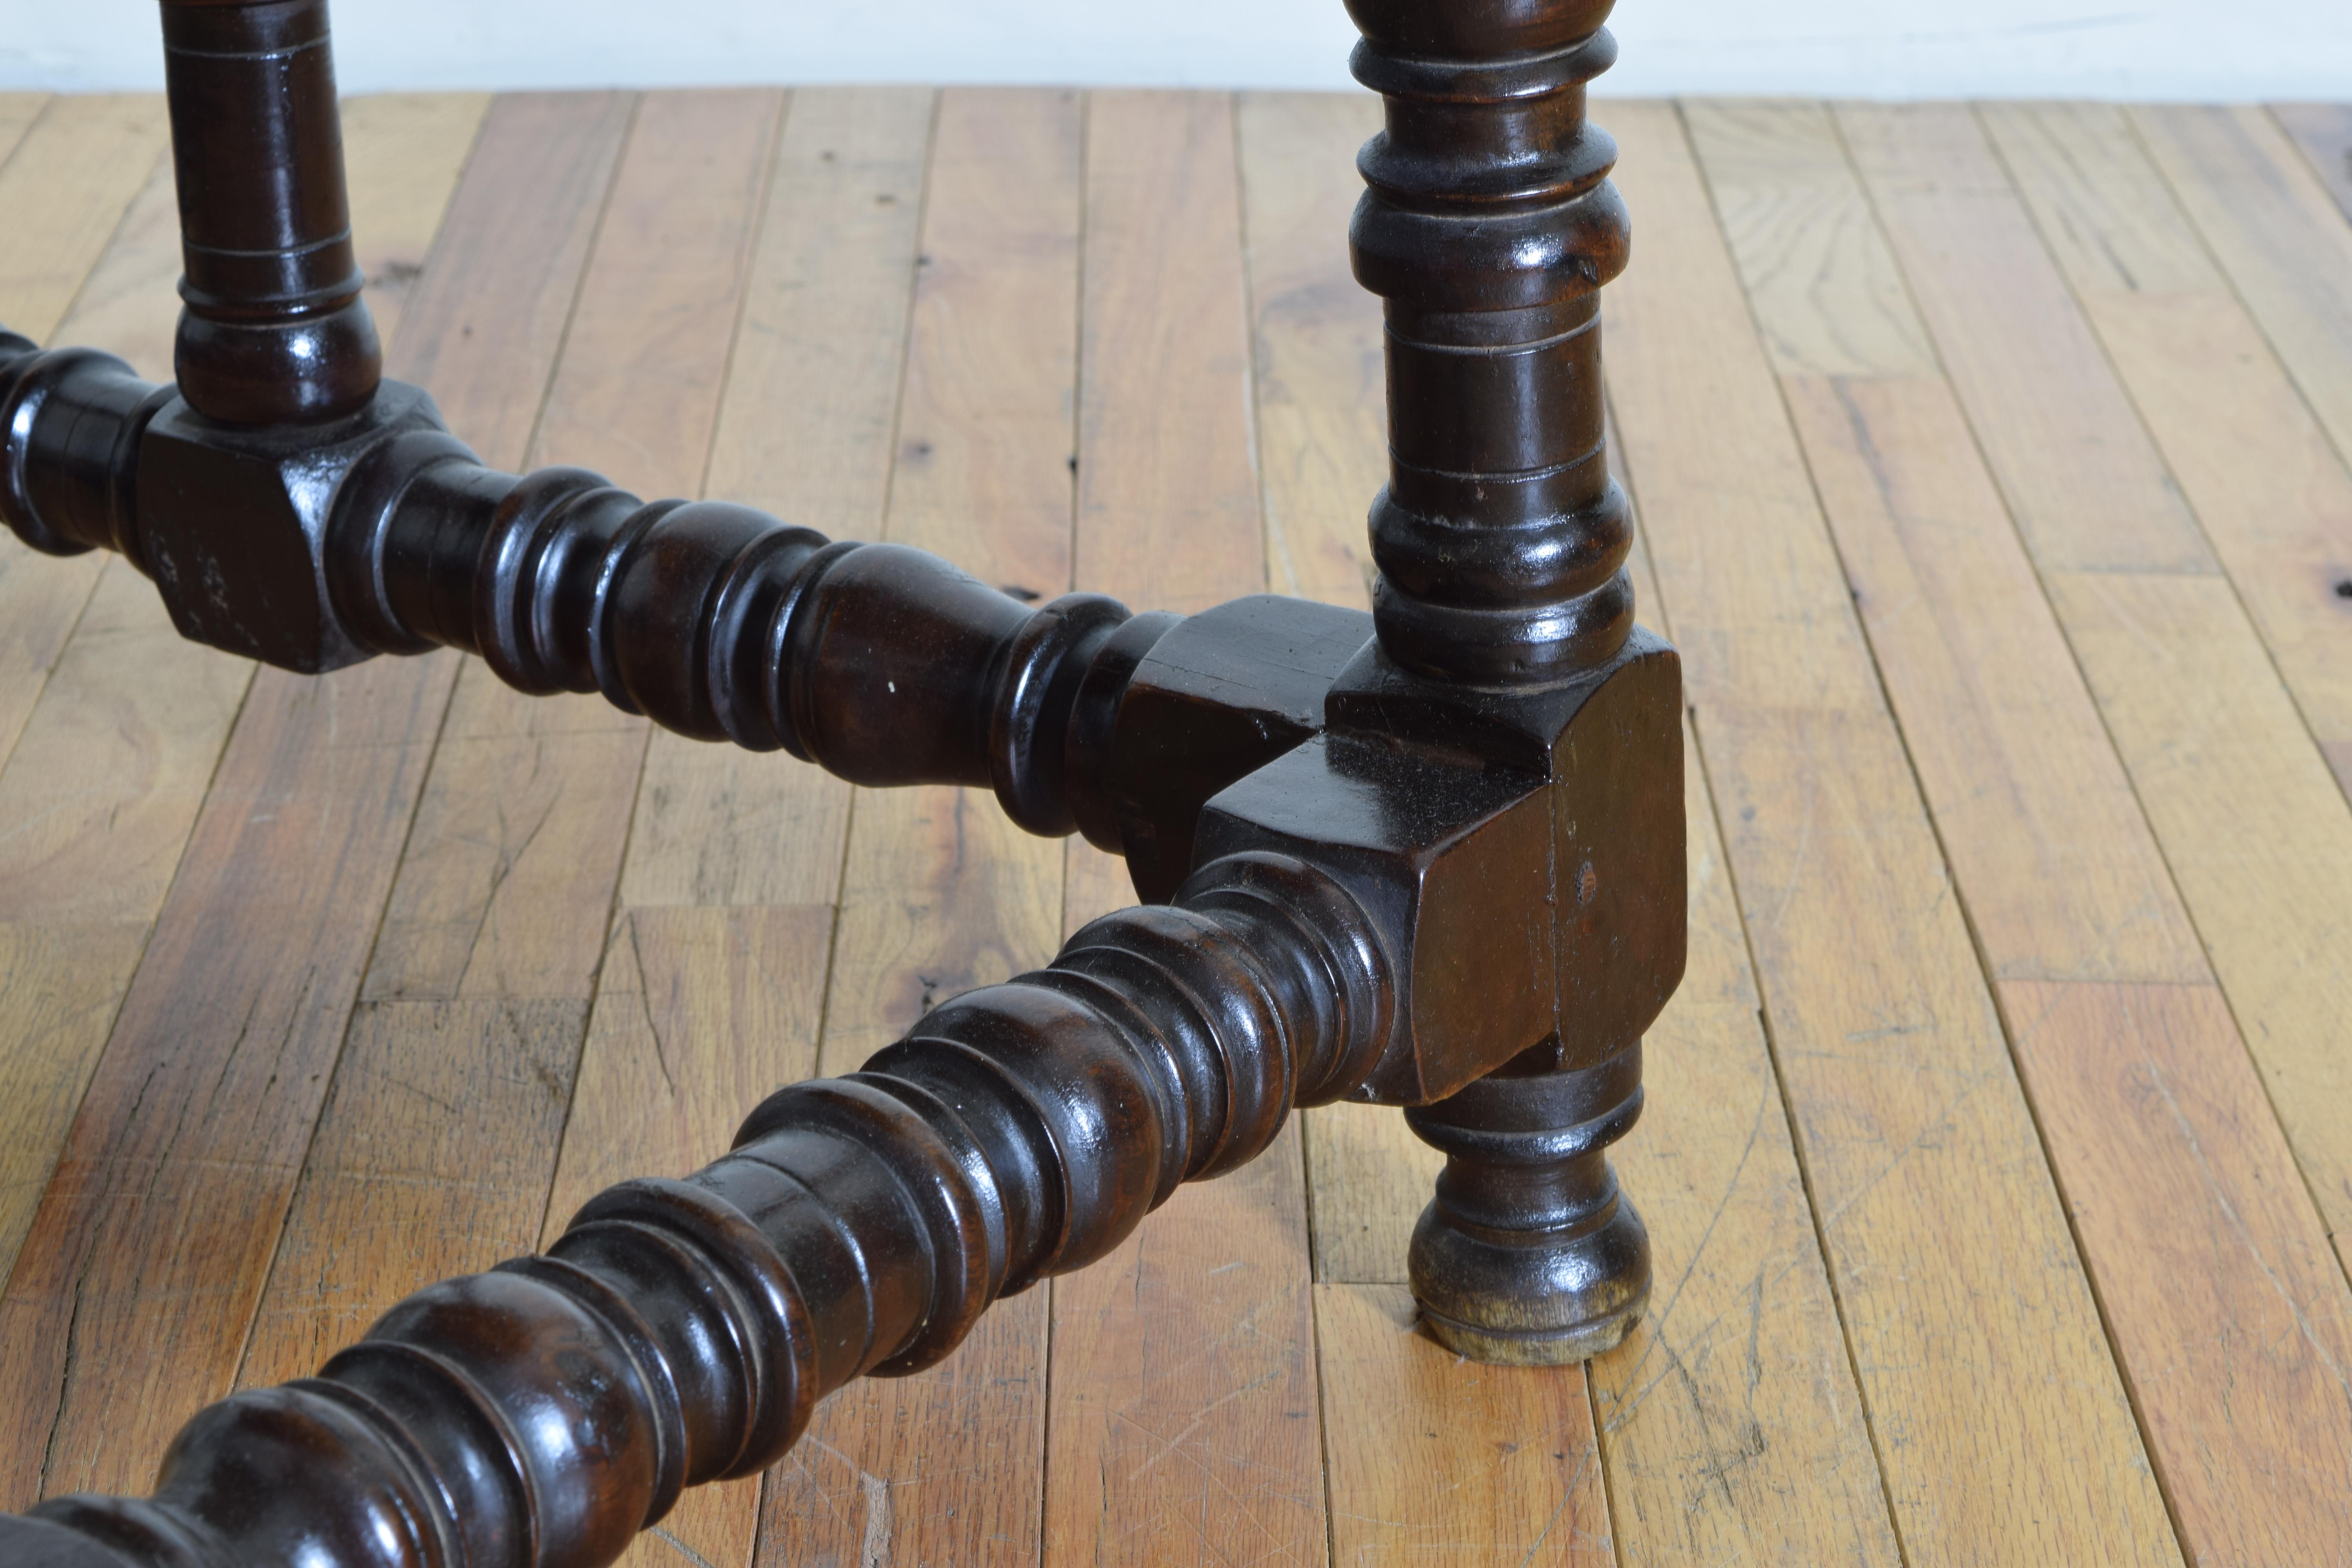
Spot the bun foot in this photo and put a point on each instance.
(1529, 1256)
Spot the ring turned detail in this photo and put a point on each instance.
(1429, 858)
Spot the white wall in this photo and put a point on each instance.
(1884, 48)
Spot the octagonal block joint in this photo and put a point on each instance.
(1520, 851)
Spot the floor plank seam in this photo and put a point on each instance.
(1630, 479)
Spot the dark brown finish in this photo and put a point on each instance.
(313, 549)
(1431, 858)
(682, 1331)
(275, 331)
(1489, 227)
(1506, 629)
(1222, 693)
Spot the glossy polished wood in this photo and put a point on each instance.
(1759, 1445)
(275, 331)
(682, 1332)
(1501, 539)
(1505, 618)
(1429, 858)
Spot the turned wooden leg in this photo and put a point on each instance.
(1398, 850)
(1529, 1255)
(1489, 227)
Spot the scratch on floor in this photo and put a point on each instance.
(2244, 1234)
(1175, 1445)
(682, 1548)
(1656, 1338)
(1943, 1123)
(1567, 1496)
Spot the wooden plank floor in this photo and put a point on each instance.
(1994, 468)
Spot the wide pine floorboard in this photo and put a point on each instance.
(1991, 463)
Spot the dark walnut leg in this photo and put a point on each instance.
(1490, 227)
(1529, 1256)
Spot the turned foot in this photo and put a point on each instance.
(1529, 1256)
